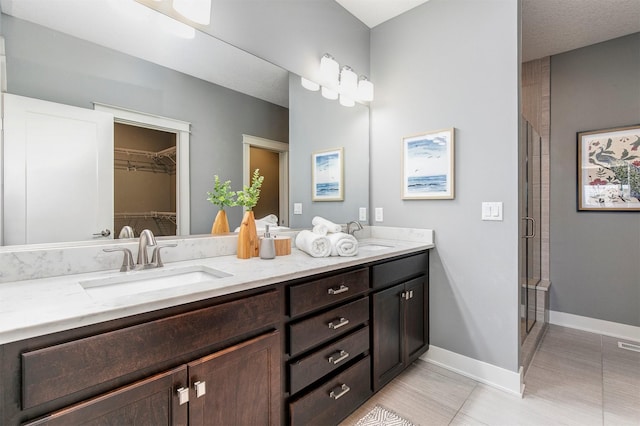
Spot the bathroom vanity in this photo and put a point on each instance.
(294, 340)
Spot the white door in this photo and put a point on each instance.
(58, 172)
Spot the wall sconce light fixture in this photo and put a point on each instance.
(340, 83)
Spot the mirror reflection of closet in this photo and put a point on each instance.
(144, 179)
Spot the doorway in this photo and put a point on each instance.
(144, 184)
(272, 158)
(180, 131)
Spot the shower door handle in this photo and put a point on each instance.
(533, 227)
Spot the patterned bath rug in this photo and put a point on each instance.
(380, 416)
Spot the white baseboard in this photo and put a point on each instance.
(593, 325)
(480, 371)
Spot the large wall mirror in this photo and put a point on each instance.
(81, 53)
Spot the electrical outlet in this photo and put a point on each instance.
(362, 214)
(379, 216)
(297, 208)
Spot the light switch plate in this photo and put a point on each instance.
(297, 208)
(492, 210)
(362, 213)
(379, 215)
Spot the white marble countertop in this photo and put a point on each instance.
(36, 307)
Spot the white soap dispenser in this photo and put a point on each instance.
(267, 245)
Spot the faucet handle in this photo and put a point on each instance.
(127, 261)
(156, 260)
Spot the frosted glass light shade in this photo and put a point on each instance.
(329, 93)
(329, 70)
(346, 101)
(195, 10)
(365, 89)
(348, 82)
(309, 85)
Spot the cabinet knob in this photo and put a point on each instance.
(342, 289)
(201, 388)
(339, 391)
(183, 395)
(337, 357)
(341, 323)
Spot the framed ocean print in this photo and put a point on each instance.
(428, 166)
(609, 169)
(327, 175)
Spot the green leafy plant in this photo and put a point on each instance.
(249, 196)
(222, 196)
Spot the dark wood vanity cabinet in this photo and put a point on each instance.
(328, 365)
(400, 316)
(302, 352)
(214, 365)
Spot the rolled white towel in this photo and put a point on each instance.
(343, 244)
(331, 227)
(320, 229)
(270, 219)
(314, 245)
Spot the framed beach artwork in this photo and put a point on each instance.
(427, 166)
(609, 169)
(327, 171)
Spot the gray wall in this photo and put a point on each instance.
(318, 124)
(52, 66)
(595, 269)
(454, 63)
(293, 34)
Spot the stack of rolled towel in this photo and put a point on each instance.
(326, 239)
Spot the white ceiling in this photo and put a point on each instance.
(549, 27)
(374, 12)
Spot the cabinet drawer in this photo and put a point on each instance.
(61, 370)
(322, 327)
(399, 270)
(316, 294)
(334, 400)
(325, 360)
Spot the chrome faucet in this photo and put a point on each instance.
(126, 232)
(357, 224)
(146, 239)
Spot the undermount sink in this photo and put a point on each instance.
(150, 280)
(373, 246)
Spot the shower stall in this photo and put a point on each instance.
(530, 235)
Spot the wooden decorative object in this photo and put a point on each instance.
(221, 223)
(248, 244)
(283, 245)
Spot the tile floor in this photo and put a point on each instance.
(575, 378)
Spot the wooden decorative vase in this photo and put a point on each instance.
(221, 223)
(248, 244)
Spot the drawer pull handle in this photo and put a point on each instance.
(339, 356)
(341, 391)
(183, 395)
(341, 323)
(201, 388)
(342, 289)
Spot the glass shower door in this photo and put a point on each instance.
(531, 210)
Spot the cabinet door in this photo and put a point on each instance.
(152, 401)
(388, 324)
(239, 385)
(416, 329)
